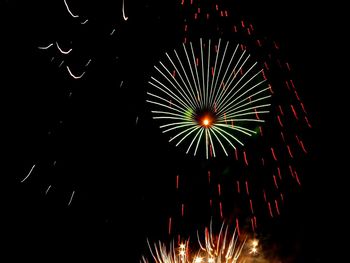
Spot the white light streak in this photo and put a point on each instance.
(25, 178)
(47, 190)
(123, 10)
(75, 76)
(87, 63)
(63, 51)
(46, 47)
(65, 3)
(71, 198)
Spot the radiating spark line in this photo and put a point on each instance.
(65, 3)
(71, 198)
(251, 206)
(74, 76)
(63, 51)
(247, 187)
(275, 181)
(112, 32)
(25, 178)
(270, 209)
(83, 23)
(169, 226)
(61, 63)
(123, 10)
(87, 63)
(46, 47)
(47, 190)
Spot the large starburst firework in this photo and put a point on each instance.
(211, 97)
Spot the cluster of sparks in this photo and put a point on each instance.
(64, 52)
(60, 51)
(224, 247)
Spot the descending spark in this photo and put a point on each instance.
(137, 119)
(63, 51)
(112, 31)
(123, 10)
(28, 173)
(61, 64)
(87, 63)
(74, 76)
(46, 47)
(121, 84)
(71, 198)
(83, 23)
(65, 2)
(47, 190)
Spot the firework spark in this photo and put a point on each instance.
(46, 47)
(123, 11)
(209, 98)
(31, 170)
(73, 75)
(63, 51)
(215, 249)
(68, 9)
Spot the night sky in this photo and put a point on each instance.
(95, 137)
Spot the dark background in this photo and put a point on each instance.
(121, 171)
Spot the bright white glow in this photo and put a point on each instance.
(206, 122)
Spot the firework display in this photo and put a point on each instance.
(227, 95)
(147, 121)
(215, 95)
(223, 247)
